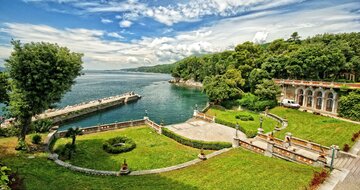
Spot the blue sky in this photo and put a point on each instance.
(116, 34)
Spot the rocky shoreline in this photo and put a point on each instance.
(188, 83)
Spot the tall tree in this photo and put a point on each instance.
(40, 74)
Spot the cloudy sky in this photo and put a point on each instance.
(116, 34)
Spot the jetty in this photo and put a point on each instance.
(71, 112)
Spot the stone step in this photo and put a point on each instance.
(337, 162)
(351, 182)
(355, 165)
(347, 163)
(342, 162)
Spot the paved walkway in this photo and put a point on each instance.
(201, 130)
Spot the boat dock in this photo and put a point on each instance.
(74, 111)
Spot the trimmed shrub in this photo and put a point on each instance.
(65, 151)
(41, 125)
(346, 148)
(261, 105)
(195, 143)
(318, 178)
(112, 145)
(36, 139)
(248, 101)
(248, 133)
(244, 117)
(9, 131)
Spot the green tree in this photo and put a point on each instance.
(40, 74)
(72, 133)
(223, 87)
(267, 90)
(349, 105)
(256, 77)
(4, 88)
(294, 38)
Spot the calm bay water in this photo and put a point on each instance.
(163, 101)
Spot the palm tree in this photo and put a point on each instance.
(73, 132)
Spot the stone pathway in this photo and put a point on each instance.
(201, 130)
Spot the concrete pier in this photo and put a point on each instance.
(74, 111)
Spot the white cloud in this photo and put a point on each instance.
(125, 24)
(115, 35)
(106, 21)
(259, 27)
(132, 60)
(260, 37)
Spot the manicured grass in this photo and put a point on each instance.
(152, 150)
(324, 130)
(236, 169)
(229, 116)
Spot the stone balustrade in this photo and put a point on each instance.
(318, 83)
(203, 116)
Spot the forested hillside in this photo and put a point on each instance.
(246, 72)
(322, 57)
(167, 68)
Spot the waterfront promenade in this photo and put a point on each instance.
(71, 112)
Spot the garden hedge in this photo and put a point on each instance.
(248, 133)
(195, 143)
(109, 147)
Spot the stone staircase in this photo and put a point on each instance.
(351, 165)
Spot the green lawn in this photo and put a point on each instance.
(324, 130)
(236, 169)
(229, 115)
(152, 150)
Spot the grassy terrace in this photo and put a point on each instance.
(152, 150)
(324, 130)
(236, 169)
(229, 115)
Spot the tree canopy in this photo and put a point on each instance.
(39, 75)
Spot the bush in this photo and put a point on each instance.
(252, 102)
(65, 151)
(195, 143)
(261, 105)
(244, 117)
(346, 148)
(248, 133)
(110, 145)
(318, 178)
(36, 139)
(41, 125)
(9, 132)
(248, 101)
(229, 104)
(349, 105)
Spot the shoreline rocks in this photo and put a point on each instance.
(188, 83)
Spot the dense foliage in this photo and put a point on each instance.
(166, 68)
(195, 143)
(119, 145)
(329, 57)
(39, 75)
(349, 105)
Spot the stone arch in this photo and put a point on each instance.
(309, 92)
(318, 98)
(330, 100)
(300, 96)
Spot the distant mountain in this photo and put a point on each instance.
(166, 68)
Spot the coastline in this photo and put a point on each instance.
(187, 83)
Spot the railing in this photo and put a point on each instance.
(293, 156)
(154, 125)
(106, 127)
(297, 142)
(275, 150)
(251, 147)
(203, 116)
(318, 83)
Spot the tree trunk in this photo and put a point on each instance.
(73, 140)
(24, 124)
